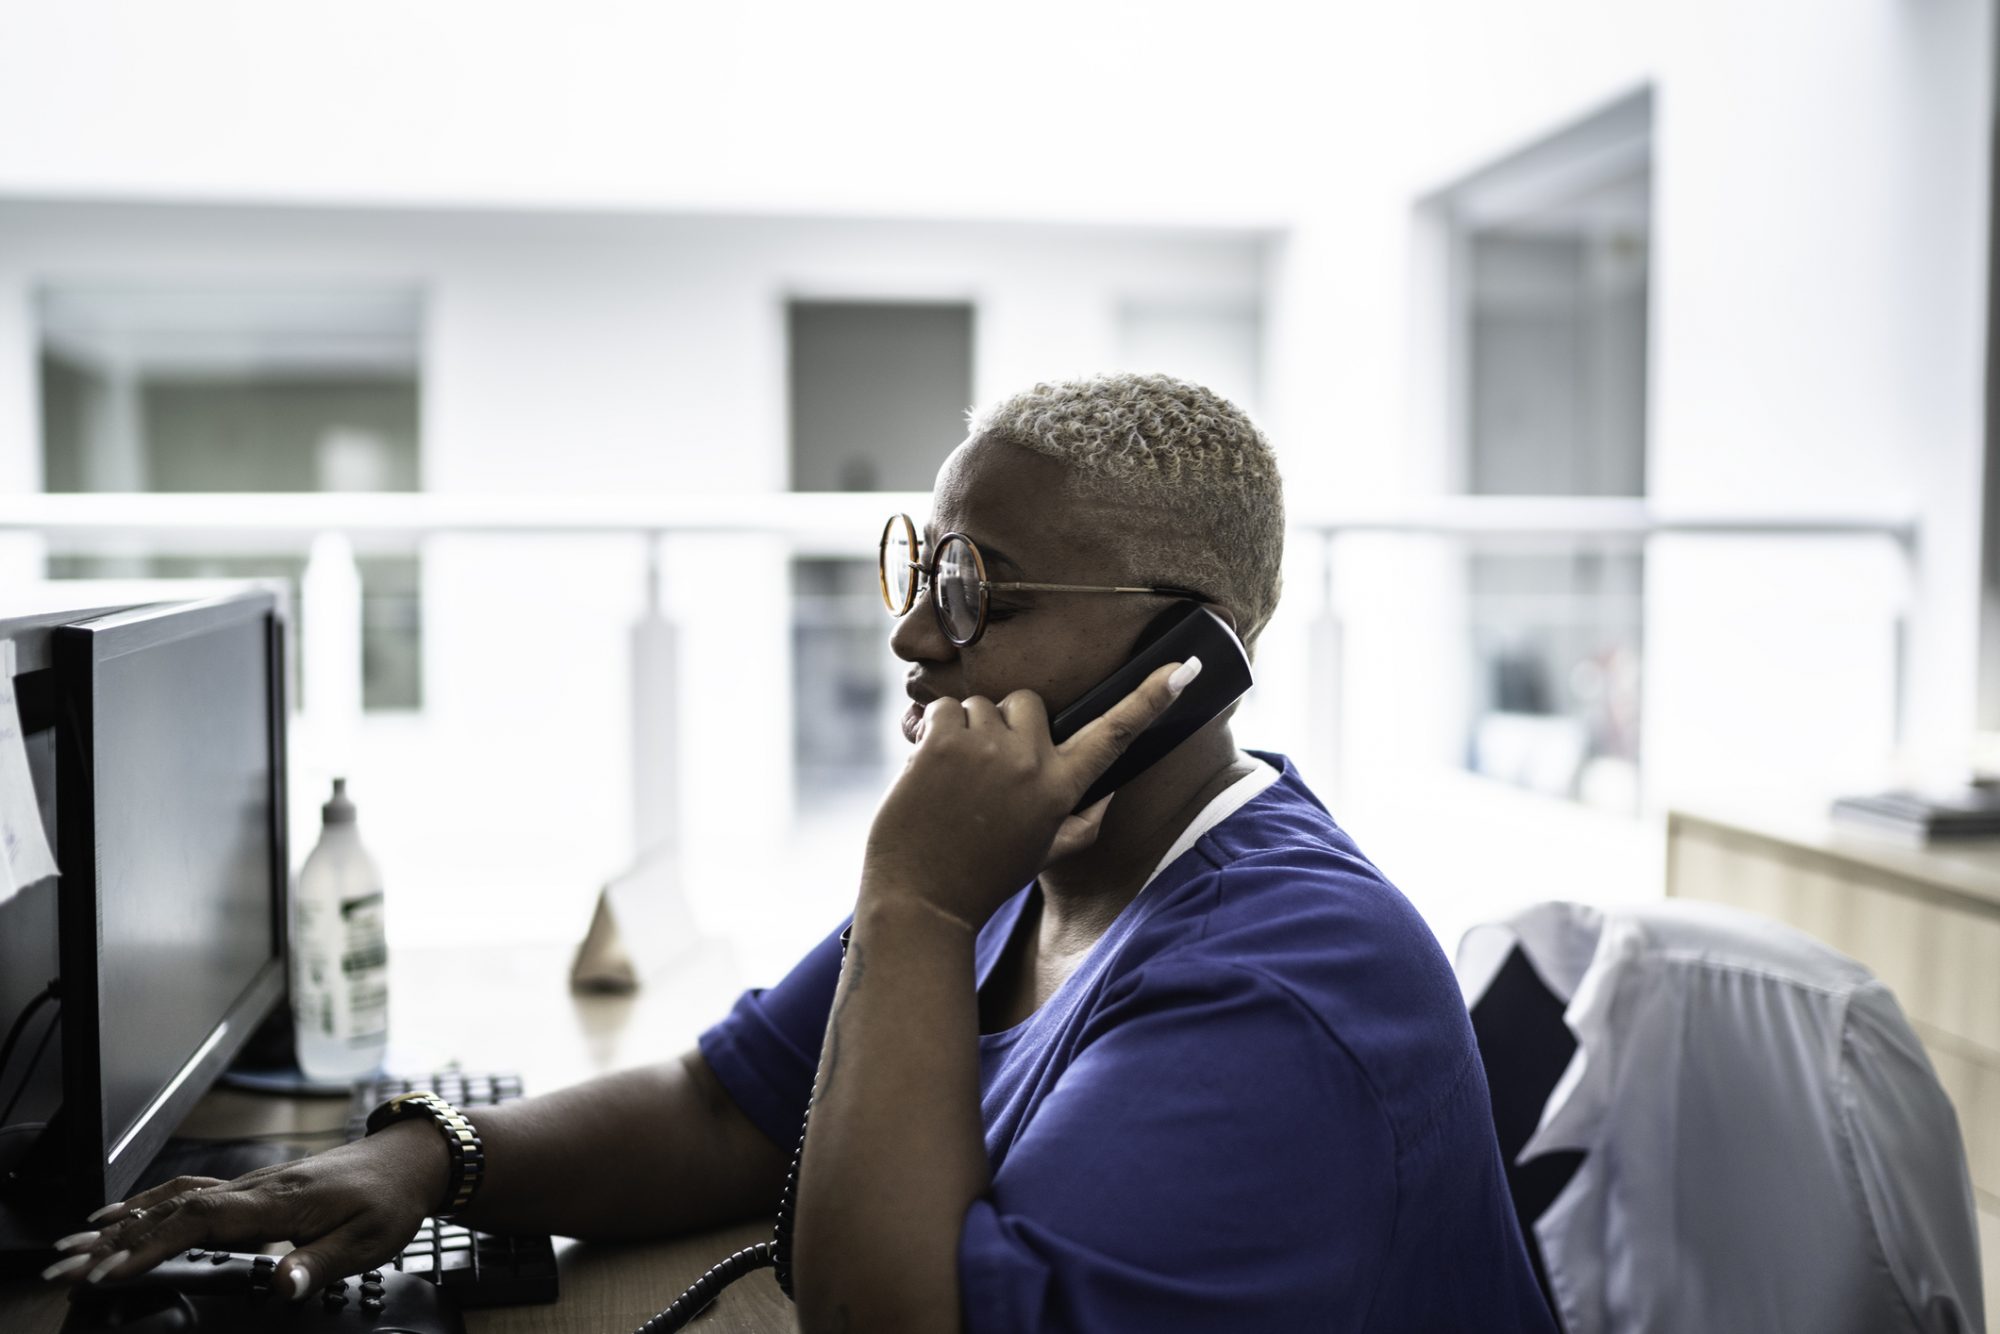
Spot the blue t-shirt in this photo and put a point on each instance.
(1255, 1105)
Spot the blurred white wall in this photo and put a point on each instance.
(1823, 199)
(1820, 175)
(603, 355)
(1170, 111)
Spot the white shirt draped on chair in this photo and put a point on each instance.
(1766, 1145)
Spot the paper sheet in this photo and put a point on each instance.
(24, 847)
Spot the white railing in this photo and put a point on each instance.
(840, 519)
(330, 527)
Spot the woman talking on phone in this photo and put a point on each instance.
(1178, 1060)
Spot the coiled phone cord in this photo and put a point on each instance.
(775, 1254)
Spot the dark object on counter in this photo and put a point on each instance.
(1972, 811)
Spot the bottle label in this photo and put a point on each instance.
(364, 968)
(340, 978)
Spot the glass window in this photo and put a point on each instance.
(843, 680)
(1552, 286)
(878, 397)
(878, 392)
(231, 390)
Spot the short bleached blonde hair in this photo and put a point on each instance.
(1195, 481)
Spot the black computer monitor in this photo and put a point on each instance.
(160, 730)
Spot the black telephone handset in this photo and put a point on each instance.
(1185, 630)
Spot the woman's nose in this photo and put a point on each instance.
(917, 636)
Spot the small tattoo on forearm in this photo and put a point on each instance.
(857, 967)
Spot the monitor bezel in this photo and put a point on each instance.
(93, 1173)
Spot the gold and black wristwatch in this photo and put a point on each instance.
(468, 1156)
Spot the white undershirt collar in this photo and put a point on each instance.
(1226, 803)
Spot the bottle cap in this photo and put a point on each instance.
(339, 809)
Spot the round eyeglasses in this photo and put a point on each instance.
(956, 577)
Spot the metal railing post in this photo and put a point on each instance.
(655, 661)
(1327, 683)
(330, 650)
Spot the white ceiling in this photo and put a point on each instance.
(1164, 112)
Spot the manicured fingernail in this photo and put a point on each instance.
(105, 1212)
(69, 1266)
(111, 1262)
(1183, 674)
(77, 1240)
(299, 1282)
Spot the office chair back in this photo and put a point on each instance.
(1736, 1128)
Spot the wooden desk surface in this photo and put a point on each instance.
(511, 1010)
(1966, 869)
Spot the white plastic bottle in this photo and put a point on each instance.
(340, 956)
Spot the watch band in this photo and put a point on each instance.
(467, 1154)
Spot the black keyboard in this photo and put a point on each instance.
(474, 1268)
